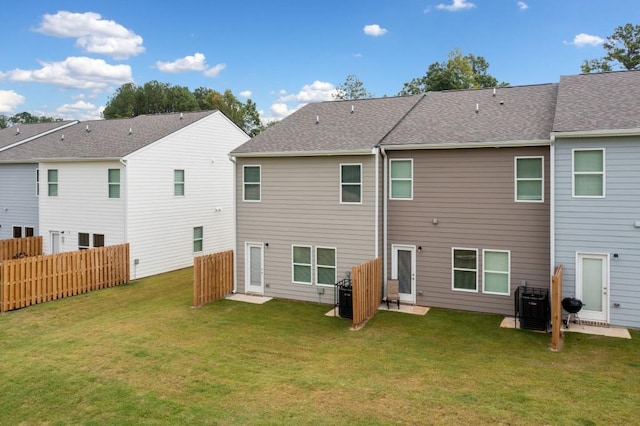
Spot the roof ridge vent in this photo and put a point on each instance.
(477, 108)
(130, 130)
(353, 109)
(62, 137)
(181, 116)
(317, 119)
(17, 131)
(88, 129)
(494, 91)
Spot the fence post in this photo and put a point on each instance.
(556, 311)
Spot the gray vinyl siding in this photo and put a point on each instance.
(300, 205)
(18, 199)
(471, 194)
(602, 225)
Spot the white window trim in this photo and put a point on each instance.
(516, 180)
(194, 239)
(183, 183)
(335, 253)
(56, 183)
(110, 184)
(400, 179)
(352, 184)
(259, 183)
(603, 173)
(453, 269)
(293, 264)
(508, 273)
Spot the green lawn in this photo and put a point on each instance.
(139, 354)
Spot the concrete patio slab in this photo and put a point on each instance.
(249, 298)
(621, 332)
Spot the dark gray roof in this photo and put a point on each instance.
(605, 101)
(21, 132)
(104, 138)
(521, 113)
(338, 129)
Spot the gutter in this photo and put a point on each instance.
(126, 211)
(596, 133)
(552, 204)
(497, 144)
(376, 151)
(385, 226)
(367, 151)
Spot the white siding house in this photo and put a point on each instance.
(163, 183)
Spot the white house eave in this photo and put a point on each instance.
(75, 160)
(370, 151)
(597, 133)
(454, 145)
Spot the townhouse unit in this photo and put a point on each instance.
(465, 194)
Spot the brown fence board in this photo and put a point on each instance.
(30, 246)
(212, 277)
(31, 280)
(366, 290)
(556, 307)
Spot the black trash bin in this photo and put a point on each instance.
(345, 299)
(532, 308)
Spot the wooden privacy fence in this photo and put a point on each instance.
(20, 247)
(30, 280)
(366, 290)
(556, 307)
(212, 277)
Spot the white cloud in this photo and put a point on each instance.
(286, 104)
(215, 70)
(522, 5)
(246, 93)
(93, 34)
(197, 62)
(75, 72)
(456, 5)
(583, 39)
(80, 110)
(9, 100)
(374, 30)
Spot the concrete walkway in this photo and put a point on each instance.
(621, 332)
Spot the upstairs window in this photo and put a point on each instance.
(251, 176)
(178, 183)
(588, 173)
(114, 183)
(350, 183)
(198, 239)
(52, 182)
(529, 179)
(401, 179)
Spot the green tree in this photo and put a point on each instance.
(351, 88)
(245, 116)
(458, 72)
(123, 103)
(4, 121)
(623, 51)
(179, 98)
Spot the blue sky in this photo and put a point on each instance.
(64, 59)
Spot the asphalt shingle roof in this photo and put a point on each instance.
(104, 138)
(520, 113)
(21, 132)
(606, 101)
(338, 128)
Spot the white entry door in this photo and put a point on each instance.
(403, 269)
(55, 241)
(592, 286)
(254, 266)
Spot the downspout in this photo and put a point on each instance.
(126, 212)
(385, 190)
(235, 228)
(377, 203)
(552, 203)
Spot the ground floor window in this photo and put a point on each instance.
(305, 260)
(198, 239)
(496, 268)
(85, 239)
(465, 269)
(301, 264)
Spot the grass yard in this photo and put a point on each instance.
(139, 354)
